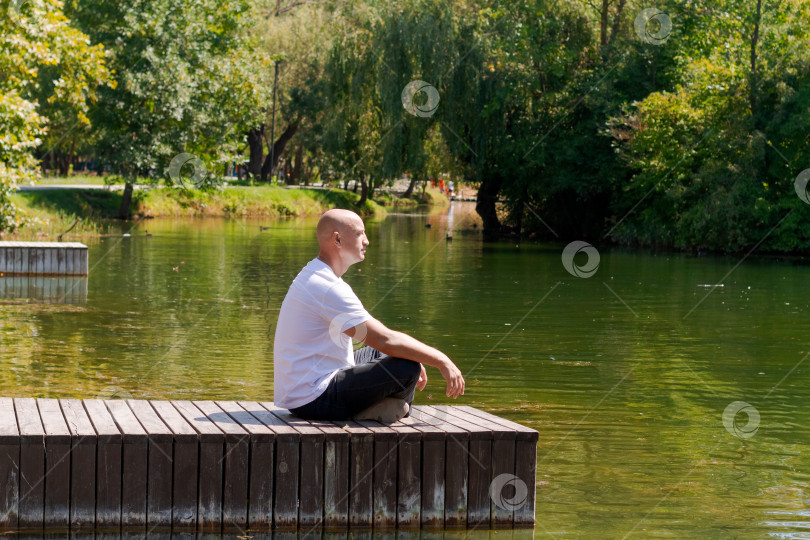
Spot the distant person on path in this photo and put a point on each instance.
(317, 375)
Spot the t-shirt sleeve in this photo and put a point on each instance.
(342, 309)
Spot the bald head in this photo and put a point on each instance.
(335, 221)
(341, 239)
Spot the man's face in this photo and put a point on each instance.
(354, 241)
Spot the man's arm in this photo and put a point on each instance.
(375, 334)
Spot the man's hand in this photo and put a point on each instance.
(422, 378)
(455, 381)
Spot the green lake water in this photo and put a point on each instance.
(626, 374)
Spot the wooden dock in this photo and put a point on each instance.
(157, 466)
(43, 259)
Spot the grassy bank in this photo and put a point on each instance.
(52, 212)
(242, 201)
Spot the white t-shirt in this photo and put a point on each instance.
(310, 346)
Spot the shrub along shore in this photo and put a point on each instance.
(90, 212)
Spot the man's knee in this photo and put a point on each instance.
(406, 371)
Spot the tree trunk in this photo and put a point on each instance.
(297, 163)
(521, 207)
(617, 18)
(485, 206)
(363, 190)
(254, 139)
(409, 192)
(278, 148)
(371, 185)
(753, 81)
(125, 210)
(65, 170)
(603, 22)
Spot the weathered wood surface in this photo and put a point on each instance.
(43, 259)
(139, 466)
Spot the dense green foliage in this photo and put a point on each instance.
(187, 82)
(48, 77)
(677, 126)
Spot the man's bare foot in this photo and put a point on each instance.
(387, 411)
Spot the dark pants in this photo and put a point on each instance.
(374, 376)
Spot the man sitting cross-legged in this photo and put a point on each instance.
(316, 373)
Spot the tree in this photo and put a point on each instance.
(717, 154)
(49, 68)
(187, 85)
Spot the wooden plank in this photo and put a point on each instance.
(360, 481)
(456, 466)
(521, 432)
(77, 262)
(212, 453)
(60, 260)
(310, 475)
(503, 463)
(3, 268)
(185, 461)
(32, 260)
(160, 459)
(432, 472)
(235, 474)
(260, 482)
(32, 465)
(335, 476)
(83, 261)
(526, 471)
(21, 261)
(108, 466)
(82, 465)
(384, 477)
(47, 259)
(69, 262)
(409, 468)
(134, 465)
(57, 465)
(285, 472)
(9, 465)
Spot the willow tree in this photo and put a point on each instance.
(381, 73)
(414, 47)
